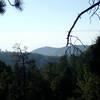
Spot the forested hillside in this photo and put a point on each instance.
(74, 77)
(41, 60)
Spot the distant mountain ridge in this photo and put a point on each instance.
(51, 51)
(41, 60)
(42, 56)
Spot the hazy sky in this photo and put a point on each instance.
(45, 23)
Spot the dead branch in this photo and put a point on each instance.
(86, 10)
(74, 49)
(10, 3)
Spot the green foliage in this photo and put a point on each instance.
(95, 58)
(89, 85)
(63, 85)
(71, 78)
(17, 4)
(5, 80)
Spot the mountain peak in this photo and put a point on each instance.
(54, 51)
(49, 51)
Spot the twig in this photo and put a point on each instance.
(86, 10)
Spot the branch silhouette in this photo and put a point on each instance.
(16, 3)
(76, 20)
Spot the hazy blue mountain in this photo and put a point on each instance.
(41, 60)
(50, 51)
(41, 55)
(46, 51)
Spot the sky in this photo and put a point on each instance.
(46, 23)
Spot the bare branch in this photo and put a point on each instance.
(97, 15)
(86, 10)
(78, 40)
(73, 49)
(95, 12)
(10, 3)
